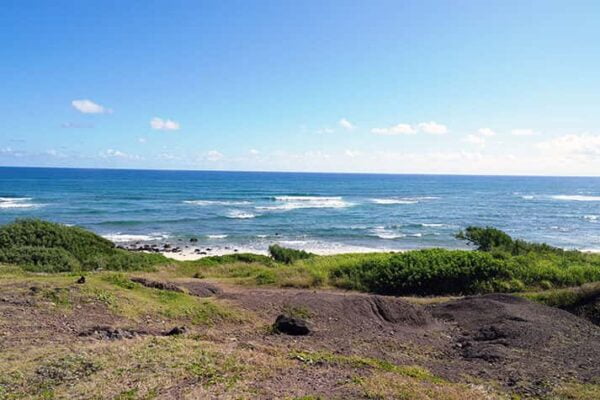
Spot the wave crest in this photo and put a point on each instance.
(575, 197)
(17, 202)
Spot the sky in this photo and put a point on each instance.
(453, 87)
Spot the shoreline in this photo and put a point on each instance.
(195, 252)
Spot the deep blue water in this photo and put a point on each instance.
(325, 212)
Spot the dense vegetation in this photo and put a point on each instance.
(43, 246)
(425, 272)
(506, 265)
(500, 263)
(286, 255)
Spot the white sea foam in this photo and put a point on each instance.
(127, 237)
(216, 236)
(16, 202)
(216, 202)
(286, 203)
(402, 200)
(393, 201)
(384, 233)
(432, 225)
(591, 218)
(238, 214)
(575, 197)
(527, 197)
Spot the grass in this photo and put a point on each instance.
(135, 301)
(501, 263)
(583, 301)
(421, 272)
(385, 380)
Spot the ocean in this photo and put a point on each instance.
(324, 213)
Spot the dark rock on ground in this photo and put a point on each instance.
(178, 330)
(157, 284)
(81, 280)
(202, 289)
(291, 325)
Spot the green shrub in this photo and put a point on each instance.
(33, 232)
(424, 272)
(40, 259)
(287, 255)
(42, 246)
(486, 238)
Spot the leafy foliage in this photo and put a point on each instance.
(486, 238)
(287, 255)
(425, 272)
(42, 246)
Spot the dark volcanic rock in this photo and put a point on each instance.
(202, 289)
(178, 330)
(157, 284)
(291, 325)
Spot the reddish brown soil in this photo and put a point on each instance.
(527, 347)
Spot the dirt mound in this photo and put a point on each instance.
(157, 284)
(527, 343)
(492, 323)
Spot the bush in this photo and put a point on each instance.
(486, 238)
(40, 259)
(43, 246)
(33, 232)
(425, 272)
(286, 255)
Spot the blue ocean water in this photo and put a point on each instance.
(319, 212)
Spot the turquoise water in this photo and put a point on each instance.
(319, 212)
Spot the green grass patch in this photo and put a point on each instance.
(135, 301)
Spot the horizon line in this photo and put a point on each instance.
(298, 172)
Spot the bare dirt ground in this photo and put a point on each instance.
(505, 342)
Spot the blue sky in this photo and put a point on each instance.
(490, 87)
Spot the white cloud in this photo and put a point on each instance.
(10, 152)
(165, 156)
(89, 107)
(213, 155)
(142, 140)
(486, 132)
(399, 129)
(112, 153)
(433, 128)
(160, 124)
(474, 139)
(347, 125)
(524, 132)
(584, 145)
(254, 152)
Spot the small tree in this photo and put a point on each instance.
(486, 239)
